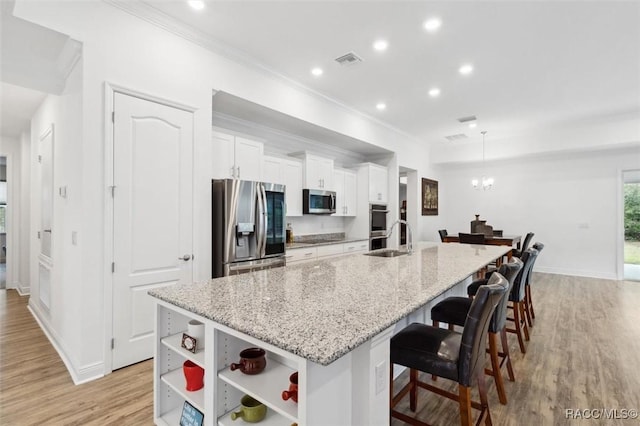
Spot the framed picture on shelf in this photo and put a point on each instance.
(191, 416)
(429, 197)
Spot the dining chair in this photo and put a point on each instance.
(443, 233)
(449, 354)
(471, 238)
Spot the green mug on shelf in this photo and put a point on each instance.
(251, 410)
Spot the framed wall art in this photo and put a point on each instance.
(429, 197)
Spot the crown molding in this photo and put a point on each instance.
(160, 19)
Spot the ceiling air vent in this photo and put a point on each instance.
(349, 59)
(458, 137)
(467, 119)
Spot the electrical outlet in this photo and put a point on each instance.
(583, 225)
(74, 238)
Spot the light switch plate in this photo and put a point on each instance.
(74, 238)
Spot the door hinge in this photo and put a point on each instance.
(113, 191)
(38, 234)
(113, 116)
(112, 343)
(113, 267)
(39, 158)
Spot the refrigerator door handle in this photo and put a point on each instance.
(259, 219)
(265, 220)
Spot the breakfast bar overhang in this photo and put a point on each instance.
(330, 320)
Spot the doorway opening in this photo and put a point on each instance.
(631, 212)
(408, 201)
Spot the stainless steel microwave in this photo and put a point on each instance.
(316, 201)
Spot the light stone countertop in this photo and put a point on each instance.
(321, 310)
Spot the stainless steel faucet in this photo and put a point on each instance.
(409, 239)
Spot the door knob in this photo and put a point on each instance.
(185, 257)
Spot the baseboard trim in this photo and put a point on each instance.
(78, 375)
(23, 290)
(578, 273)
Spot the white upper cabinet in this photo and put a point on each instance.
(237, 157)
(374, 181)
(318, 172)
(289, 173)
(344, 183)
(378, 184)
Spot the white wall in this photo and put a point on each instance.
(571, 203)
(141, 56)
(23, 221)
(10, 147)
(65, 318)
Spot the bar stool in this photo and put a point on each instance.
(523, 246)
(453, 310)
(456, 356)
(516, 297)
(528, 301)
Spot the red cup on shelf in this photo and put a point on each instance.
(292, 393)
(194, 374)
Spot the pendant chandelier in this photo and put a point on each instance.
(486, 182)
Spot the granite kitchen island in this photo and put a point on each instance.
(329, 320)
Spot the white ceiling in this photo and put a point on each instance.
(536, 64)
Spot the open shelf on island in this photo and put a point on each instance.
(171, 418)
(266, 387)
(271, 419)
(174, 342)
(175, 379)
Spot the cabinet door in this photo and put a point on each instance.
(350, 194)
(272, 170)
(248, 159)
(378, 184)
(223, 153)
(318, 172)
(292, 177)
(338, 186)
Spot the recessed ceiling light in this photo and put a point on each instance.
(317, 71)
(473, 125)
(466, 69)
(380, 45)
(381, 106)
(432, 24)
(196, 4)
(434, 93)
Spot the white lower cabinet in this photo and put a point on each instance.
(302, 254)
(224, 389)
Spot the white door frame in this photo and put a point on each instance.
(110, 89)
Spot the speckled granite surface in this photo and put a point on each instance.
(321, 310)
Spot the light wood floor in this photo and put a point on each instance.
(584, 353)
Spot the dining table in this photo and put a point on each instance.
(493, 240)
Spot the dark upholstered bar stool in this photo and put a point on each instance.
(516, 297)
(455, 356)
(453, 310)
(523, 246)
(528, 302)
(443, 233)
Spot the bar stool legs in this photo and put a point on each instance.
(498, 359)
(520, 324)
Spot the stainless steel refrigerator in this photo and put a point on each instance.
(248, 226)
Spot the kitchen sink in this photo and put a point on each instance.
(387, 253)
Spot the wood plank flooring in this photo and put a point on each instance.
(584, 353)
(36, 389)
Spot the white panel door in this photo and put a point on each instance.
(153, 225)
